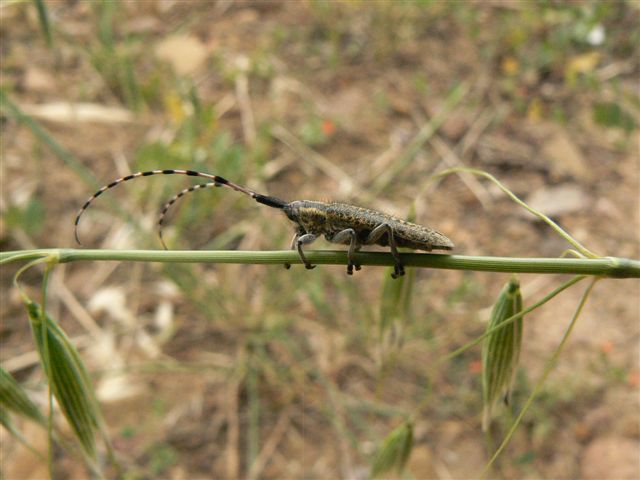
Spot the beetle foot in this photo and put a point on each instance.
(398, 270)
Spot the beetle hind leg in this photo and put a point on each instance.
(376, 234)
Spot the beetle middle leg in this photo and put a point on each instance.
(341, 237)
(376, 234)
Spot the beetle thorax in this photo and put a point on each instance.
(312, 216)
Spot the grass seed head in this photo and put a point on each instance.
(501, 350)
(395, 451)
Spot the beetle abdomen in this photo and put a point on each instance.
(364, 220)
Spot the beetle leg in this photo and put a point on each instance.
(341, 237)
(376, 234)
(304, 240)
(292, 247)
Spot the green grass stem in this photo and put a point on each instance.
(613, 267)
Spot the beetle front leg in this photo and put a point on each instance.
(376, 234)
(292, 247)
(341, 237)
(304, 240)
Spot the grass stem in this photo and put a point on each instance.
(613, 267)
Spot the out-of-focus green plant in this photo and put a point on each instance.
(394, 452)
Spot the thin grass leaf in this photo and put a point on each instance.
(456, 95)
(12, 109)
(253, 400)
(69, 379)
(584, 251)
(109, 58)
(501, 350)
(395, 451)
(390, 301)
(14, 398)
(396, 299)
(7, 423)
(9, 107)
(43, 18)
(394, 314)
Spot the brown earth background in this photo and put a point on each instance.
(232, 371)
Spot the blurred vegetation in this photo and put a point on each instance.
(323, 367)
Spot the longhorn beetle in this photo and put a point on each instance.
(338, 222)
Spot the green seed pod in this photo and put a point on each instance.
(395, 451)
(501, 350)
(69, 379)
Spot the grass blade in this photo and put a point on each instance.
(43, 18)
(43, 136)
(584, 251)
(391, 301)
(14, 398)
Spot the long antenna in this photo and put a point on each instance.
(174, 199)
(216, 180)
